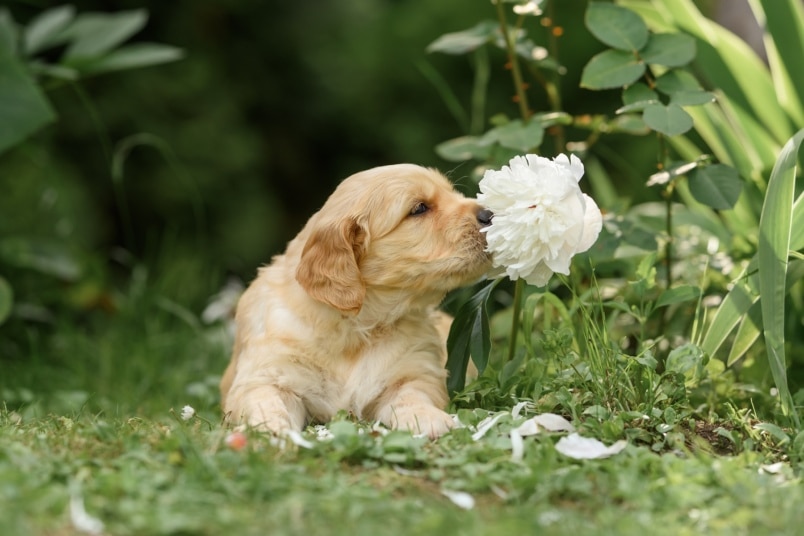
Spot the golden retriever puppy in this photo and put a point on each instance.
(346, 318)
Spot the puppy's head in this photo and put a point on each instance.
(401, 228)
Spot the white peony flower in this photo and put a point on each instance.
(541, 217)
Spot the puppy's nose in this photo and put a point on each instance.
(484, 217)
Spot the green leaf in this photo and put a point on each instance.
(670, 120)
(94, 34)
(675, 81)
(616, 26)
(132, 57)
(463, 148)
(680, 294)
(8, 35)
(638, 92)
(23, 107)
(469, 336)
(6, 300)
(692, 97)
(718, 186)
(518, 135)
(466, 40)
(47, 29)
(610, 69)
(669, 49)
(689, 361)
(774, 244)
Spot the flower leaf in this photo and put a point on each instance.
(610, 69)
(519, 136)
(616, 26)
(466, 40)
(6, 299)
(670, 120)
(717, 186)
(678, 294)
(463, 148)
(469, 336)
(669, 49)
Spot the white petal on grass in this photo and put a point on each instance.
(553, 423)
(485, 425)
(586, 448)
(459, 498)
(297, 439)
(83, 521)
(518, 407)
(517, 446)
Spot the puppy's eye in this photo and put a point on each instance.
(419, 208)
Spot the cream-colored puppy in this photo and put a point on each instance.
(346, 318)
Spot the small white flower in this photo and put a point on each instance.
(529, 8)
(460, 498)
(187, 413)
(541, 217)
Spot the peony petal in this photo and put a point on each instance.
(297, 439)
(459, 498)
(592, 224)
(517, 446)
(553, 422)
(586, 448)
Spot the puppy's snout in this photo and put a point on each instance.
(484, 217)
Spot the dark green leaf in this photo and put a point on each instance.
(610, 69)
(718, 186)
(669, 49)
(638, 92)
(465, 41)
(46, 29)
(94, 34)
(23, 107)
(6, 299)
(692, 97)
(8, 35)
(132, 57)
(616, 26)
(469, 336)
(670, 120)
(688, 360)
(678, 294)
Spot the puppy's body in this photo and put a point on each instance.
(345, 319)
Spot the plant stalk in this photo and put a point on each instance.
(516, 73)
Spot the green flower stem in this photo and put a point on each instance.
(519, 290)
(522, 98)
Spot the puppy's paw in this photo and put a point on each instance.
(420, 419)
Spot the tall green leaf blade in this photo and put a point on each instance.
(6, 299)
(747, 334)
(784, 43)
(616, 26)
(774, 245)
(610, 69)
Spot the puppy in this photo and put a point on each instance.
(346, 318)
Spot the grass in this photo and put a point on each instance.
(95, 417)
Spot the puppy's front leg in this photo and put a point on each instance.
(412, 408)
(266, 407)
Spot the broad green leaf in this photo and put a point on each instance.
(669, 49)
(628, 124)
(46, 29)
(774, 244)
(692, 97)
(670, 120)
(616, 26)
(680, 294)
(94, 34)
(677, 81)
(688, 360)
(6, 299)
(463, 148)
(469, 337)
(23, 107)
(132, 57)
(519, 135)
(638, 92)
(467, 40)
(610, 69)
(718, 186)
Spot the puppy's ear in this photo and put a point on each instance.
(328, 269)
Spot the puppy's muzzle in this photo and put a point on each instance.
(484, 217)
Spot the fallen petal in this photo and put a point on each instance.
(517, 409)
(460, 498)
(82, 521)
(297, 439)
(586, 448)
(517, 446)
(486, 425)
(553, 422)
